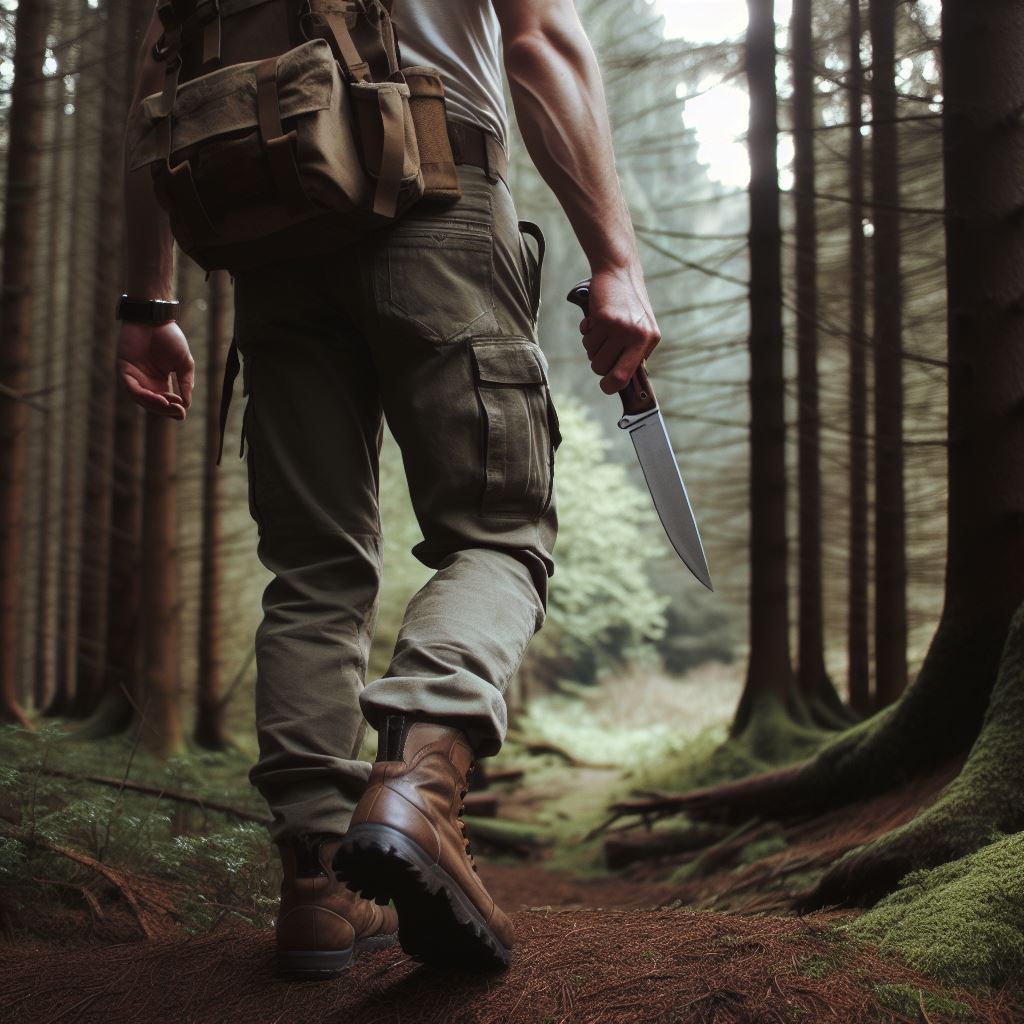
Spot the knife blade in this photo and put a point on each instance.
(642, 419)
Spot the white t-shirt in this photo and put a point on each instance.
(462, 39)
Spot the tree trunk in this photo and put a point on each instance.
(890, 511)
(86, 63)
(941, 715)
(769, 674)
(94, 583)
(815, 687)
(115, 711)
(160, 699)
(209, 723)
(43, 665)
(859, 666)
(24, 160)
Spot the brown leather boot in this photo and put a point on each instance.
(321, 925)
(407, 842)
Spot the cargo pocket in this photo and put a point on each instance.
(519, 428)
(534, 264)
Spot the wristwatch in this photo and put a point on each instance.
(147, 311)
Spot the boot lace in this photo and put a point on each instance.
(462, 807)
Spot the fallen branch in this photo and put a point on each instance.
(482, 805)
(623, 848)
(139, 787)
(116, 878)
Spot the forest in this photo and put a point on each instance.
(798, 798)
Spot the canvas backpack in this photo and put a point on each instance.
(286, 127)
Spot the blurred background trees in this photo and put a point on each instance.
(852, 317)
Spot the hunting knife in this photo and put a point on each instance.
(642, 418)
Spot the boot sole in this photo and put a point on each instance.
(321, 964)
(438, 924)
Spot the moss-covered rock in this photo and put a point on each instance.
(963, 922)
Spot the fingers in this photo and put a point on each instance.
(151, 401)
(618, 376)
(186, 375)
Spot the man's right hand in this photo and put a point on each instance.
(620, 331)
(148, 356)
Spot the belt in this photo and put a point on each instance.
(474, 145)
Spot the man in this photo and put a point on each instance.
(432, 325)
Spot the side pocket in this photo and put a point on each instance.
(518, 441)
(535, 264)
(245, 447)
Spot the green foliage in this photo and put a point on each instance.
(602, 608)
(962, 922)
(227, 865)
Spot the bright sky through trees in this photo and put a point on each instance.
(718, 111)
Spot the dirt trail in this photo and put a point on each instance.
(571, 966)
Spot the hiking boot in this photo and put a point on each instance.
(407, 842)
(321, 924)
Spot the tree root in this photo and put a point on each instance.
(984, 802)
(122, 882)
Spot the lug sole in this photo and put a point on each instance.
(438, 924)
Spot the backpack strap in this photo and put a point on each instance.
(279, 147)
(330, 19)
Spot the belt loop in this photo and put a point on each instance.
(491, 158)
(231, 367)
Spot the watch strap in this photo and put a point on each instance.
(147, 311)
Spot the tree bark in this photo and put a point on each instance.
(857, 644)
(24, 160)
(85, 59)
(769, 673)
(890, 510)
(43, 663)
(94, 583)
(209, 724)
(823, 703)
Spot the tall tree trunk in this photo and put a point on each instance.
(86, 64)
(124, 653)
(43, 666)
(983, 70)
(209, 723)
(816, 688)
(890, 510)
(24, 159)
(160, 699)
(96, 514)
(769, 674)
(859, 666)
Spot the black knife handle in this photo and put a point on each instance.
(638, 395)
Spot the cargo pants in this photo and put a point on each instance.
(430, 324)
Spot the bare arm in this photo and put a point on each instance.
(148, 356)
(563, 116)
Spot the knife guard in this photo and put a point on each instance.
(638, 395)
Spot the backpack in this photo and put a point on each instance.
(287, 126)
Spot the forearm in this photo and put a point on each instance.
(563, 116)
(149, 244)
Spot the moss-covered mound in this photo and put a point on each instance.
(962, 922)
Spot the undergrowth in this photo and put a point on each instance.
(220, 863)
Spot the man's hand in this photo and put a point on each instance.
(620, 331)
(148, 356)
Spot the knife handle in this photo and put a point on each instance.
(638, 395)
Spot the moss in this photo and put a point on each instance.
(908, 1000)
(770, 740)
(761, 848)
(963, 922)
(818, 966)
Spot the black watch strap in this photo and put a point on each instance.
(147, 311)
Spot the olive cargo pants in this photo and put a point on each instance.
(431, 323)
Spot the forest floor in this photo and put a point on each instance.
(711, 940)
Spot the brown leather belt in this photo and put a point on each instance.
(474, 145)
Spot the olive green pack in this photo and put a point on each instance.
(287, 126)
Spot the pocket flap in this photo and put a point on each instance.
(504, 361)
(225, 101)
